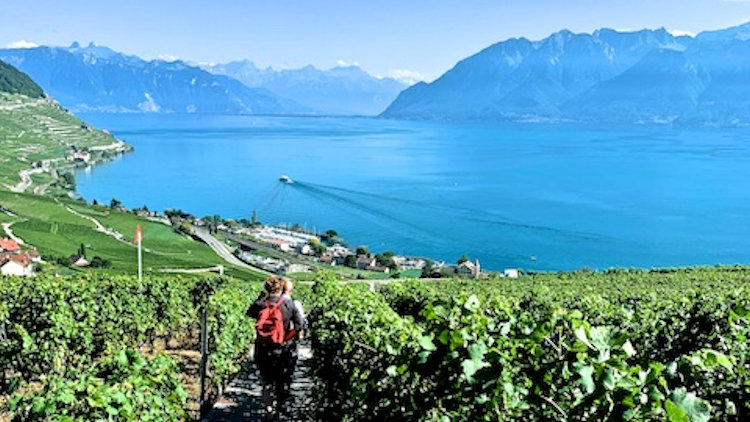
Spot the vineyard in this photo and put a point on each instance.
(97, 348)
(617, 345)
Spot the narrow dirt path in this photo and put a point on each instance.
(99, 226)
(26, 181)
(9, 233)
(242, 400)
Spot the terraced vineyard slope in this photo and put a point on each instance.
(38, 138)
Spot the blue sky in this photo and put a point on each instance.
(385, 37)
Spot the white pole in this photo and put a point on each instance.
(140, 262)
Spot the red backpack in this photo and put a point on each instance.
(270, 326)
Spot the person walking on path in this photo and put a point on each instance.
(294, 346)
(277, 320)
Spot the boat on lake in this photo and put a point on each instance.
(285, 179)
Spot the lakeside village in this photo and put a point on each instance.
(284, 250)
(293, 249)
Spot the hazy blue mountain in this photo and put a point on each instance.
(519, 78)
(643, 76)
(341, 90)
(98, 78)
(660, 88)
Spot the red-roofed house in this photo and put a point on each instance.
(9, 245)
(16, 264)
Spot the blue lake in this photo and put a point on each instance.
(568, 196)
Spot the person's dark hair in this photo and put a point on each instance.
(275, 284)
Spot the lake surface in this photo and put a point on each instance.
(568, 196)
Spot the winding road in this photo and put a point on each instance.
(223, 250)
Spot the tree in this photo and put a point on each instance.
(68, 179)
(428, 269)
(99, 262)
(386, 261)
(363, 250)
(82, 250)
(115, 203)
(317, 247)
(185, 228)
(463, 259)
(95, 202)
(254, 218)
(350, 261)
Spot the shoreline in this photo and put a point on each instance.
(107, 153)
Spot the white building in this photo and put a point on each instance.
(511, 272)
(278, 235)
(18, 265)
(338, 250)
(409, 263)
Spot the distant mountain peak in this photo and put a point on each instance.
(97, 78)
(735, 33)
(649, 75)
(343, 90)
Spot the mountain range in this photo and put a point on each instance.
(648, 76)
(96, 78)
(343, 90)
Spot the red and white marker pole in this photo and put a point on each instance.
(138, 238)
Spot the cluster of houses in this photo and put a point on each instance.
(283, 239)
(274, 265)
(16, 261)
(301, 243)
(335, 255)
(79, 155)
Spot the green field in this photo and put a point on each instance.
(37, 129)
(58, 232)
(5, 218)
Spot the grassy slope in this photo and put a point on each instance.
(35, 129)
(58, 232)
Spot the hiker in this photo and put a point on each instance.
(288, 290)
(277, 319)
(294, 346)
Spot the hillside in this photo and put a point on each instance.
(14, 82)
(57, 227)
(345, 90)
(648, 76)
(96, 78)
(37, 137)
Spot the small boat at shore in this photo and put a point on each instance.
(285, 179)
